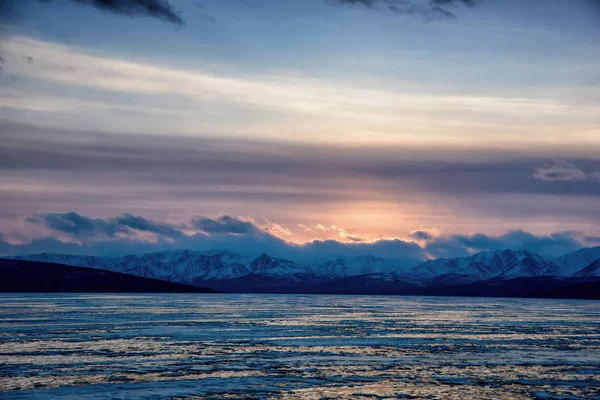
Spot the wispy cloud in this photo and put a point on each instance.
(562, 170)
(290, 105)
(428, 10)
(161, 9)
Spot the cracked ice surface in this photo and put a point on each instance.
(296, 347)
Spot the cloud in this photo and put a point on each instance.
(144, 225)
(117, 236)
(562, 170)
(164, 10)
(346, 235)
(553, 245)
(44, 170)
(161, 9)
(277, 229)
(78, 226)
(592, 239)
(131, 95)
(43, 245)
(430, 10)
(421, 235)
(322, 229)
(224, 224)
(403, 252)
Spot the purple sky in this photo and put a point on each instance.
(361, 127)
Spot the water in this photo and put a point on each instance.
(295, 346)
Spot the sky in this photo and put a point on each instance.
(313, 128)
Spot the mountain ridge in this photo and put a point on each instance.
(221, 268)
(592, 270)
(574, 261)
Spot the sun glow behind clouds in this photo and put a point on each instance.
(355, 125)
(71, 86)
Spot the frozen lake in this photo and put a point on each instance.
(296, 346)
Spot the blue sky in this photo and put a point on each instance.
(302, 115)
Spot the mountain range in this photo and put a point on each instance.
(227, 271)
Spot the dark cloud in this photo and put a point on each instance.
(552, 245)
(224, 224)
(78, 226)
(429, 10)
(421, 235)
(144, 225)
(96, 236)
(164, 10)
(565, 171)
(404, 252)
(161, 9)
(355, 239)
(117, 235)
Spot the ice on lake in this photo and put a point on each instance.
(75, 346)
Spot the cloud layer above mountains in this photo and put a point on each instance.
(74, 233)
(366, 192)
(309, 202)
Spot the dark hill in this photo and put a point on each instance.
(535, 286)
(31, 276)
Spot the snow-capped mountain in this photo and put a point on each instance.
(188, 266)
(229, 271)
(270, 266)
(523, 263)
(194, 267)
(185, 266)
(592, 270)
(176, 266)
(342, 267)
(503, 264)
(573, 262)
